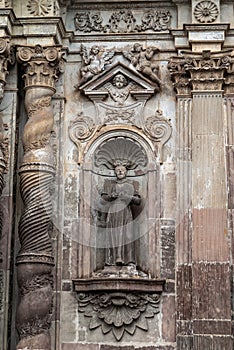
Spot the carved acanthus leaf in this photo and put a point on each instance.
(42, 65)
(199, 71)
(118, 312)
(39, 7)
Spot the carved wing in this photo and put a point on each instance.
(129, 55)
(107, 56)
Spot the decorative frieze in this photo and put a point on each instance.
(123, 21)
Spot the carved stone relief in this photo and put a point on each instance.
(118, 312)
(39, 7)
(123, 21)
(7, 57)
(35, 260)
(206, 12)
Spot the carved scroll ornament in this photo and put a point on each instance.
(123, 21)
(35, 260)
(118, 312)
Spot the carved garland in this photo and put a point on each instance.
(35, 260)
(119, 312)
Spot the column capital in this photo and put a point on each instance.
(42, 65)
(199, 71)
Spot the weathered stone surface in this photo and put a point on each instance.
(134, 71)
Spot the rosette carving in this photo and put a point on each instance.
(119, 312)
(206, 12)
(35, 259)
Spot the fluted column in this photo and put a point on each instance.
(203, 286)
(35, 260)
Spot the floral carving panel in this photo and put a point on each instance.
(118, 312)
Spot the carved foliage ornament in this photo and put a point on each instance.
(206, 12)
(118, 312)
(122, 22)
(39, 7)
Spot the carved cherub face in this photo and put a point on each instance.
(120, 81)
(94, 50)
(120, 172)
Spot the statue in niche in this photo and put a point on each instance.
(95, 61)
(142, 59)
(120, 195)
(119, 89)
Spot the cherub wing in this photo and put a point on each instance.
(108, 55)
(129, 55)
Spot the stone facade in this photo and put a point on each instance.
(116, 175)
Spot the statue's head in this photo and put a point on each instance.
(120, 171)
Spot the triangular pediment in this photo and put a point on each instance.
(97, 82)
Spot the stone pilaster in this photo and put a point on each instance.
(207, 247)
(35, 260)
(229, 99)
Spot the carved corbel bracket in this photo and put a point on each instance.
(119, 306)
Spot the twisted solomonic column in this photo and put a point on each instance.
(35, 260)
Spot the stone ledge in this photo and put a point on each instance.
(119, 284)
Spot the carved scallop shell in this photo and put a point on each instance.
(206, 12)
(120, 150)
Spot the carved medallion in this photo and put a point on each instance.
(206, 12)
(119, 312)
